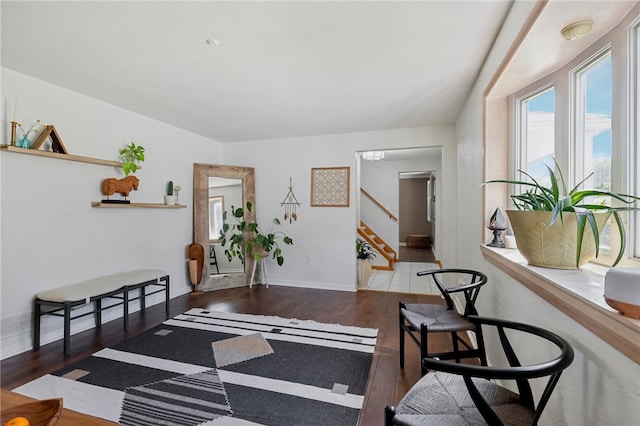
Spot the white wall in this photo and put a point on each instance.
(326, 235)
(50, 234)
(602, 386)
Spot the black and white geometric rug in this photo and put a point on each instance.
(217, 368)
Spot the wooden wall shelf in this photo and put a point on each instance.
(70, 157)
(99, 204)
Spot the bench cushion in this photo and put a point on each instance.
(94, 287)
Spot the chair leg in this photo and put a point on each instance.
(389, 414)
(456, 349)
(424, 347)
(400, 322)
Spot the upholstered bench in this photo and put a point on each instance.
(63, 300)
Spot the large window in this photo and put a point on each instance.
(592, 137)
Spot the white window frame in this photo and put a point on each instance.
(633, 152)
(567, 154)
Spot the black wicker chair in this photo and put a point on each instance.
(462, 394)
(418, 320)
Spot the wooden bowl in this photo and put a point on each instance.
(39, 413)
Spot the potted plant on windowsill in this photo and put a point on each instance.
(245, 236)
(550, 223)
(365, 254)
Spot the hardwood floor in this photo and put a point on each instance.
(387, 382)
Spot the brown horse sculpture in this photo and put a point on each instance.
(122, 186)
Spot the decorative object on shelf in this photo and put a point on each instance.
(245, 236)
(539, 239)
(14, 126)
(169, 199)
(498, 224)
(365, 254)
(24, 141)
(130, 156)
(50, 131)
(290, 204)
(177, 190)
(122, 186)
(196, 263)
(330, 187)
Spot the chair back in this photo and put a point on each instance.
(522, 375)
(473, 281)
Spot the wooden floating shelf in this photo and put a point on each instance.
(100, 204)
(70, 157)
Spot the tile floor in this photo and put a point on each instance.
(404, 279)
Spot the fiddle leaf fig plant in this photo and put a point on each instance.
(244, 236)
(130, 156)
(557, 199)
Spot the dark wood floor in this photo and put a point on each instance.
(387, 382)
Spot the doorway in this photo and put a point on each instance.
(406, 183)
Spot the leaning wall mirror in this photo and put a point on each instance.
(215, 189)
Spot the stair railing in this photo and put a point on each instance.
(377, 203)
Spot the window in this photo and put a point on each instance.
(537, 133)
(587, 138)
(591, 99)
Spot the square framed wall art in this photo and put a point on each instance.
(330, 187)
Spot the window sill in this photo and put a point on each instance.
(578, 294)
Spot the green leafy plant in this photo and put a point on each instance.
(364, 250)
(555, 198)
(130, 156)
(170, 188)
(245, 236)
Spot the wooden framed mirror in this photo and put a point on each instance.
(202, 219)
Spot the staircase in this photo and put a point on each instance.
(380, 246)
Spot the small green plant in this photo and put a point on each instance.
(364, 250)
(555, 198)
(130, 156)
(170, 188)
(245, 236)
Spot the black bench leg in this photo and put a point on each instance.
(143, 294)
(36, 324)
(125, 307)
(166, 293)
(98, 308)
(67, 328)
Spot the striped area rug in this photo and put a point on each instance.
(217, 368)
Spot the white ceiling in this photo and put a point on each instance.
(281, 69)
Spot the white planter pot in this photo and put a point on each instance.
(552, 246)
(364, 273)
(169, 200)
